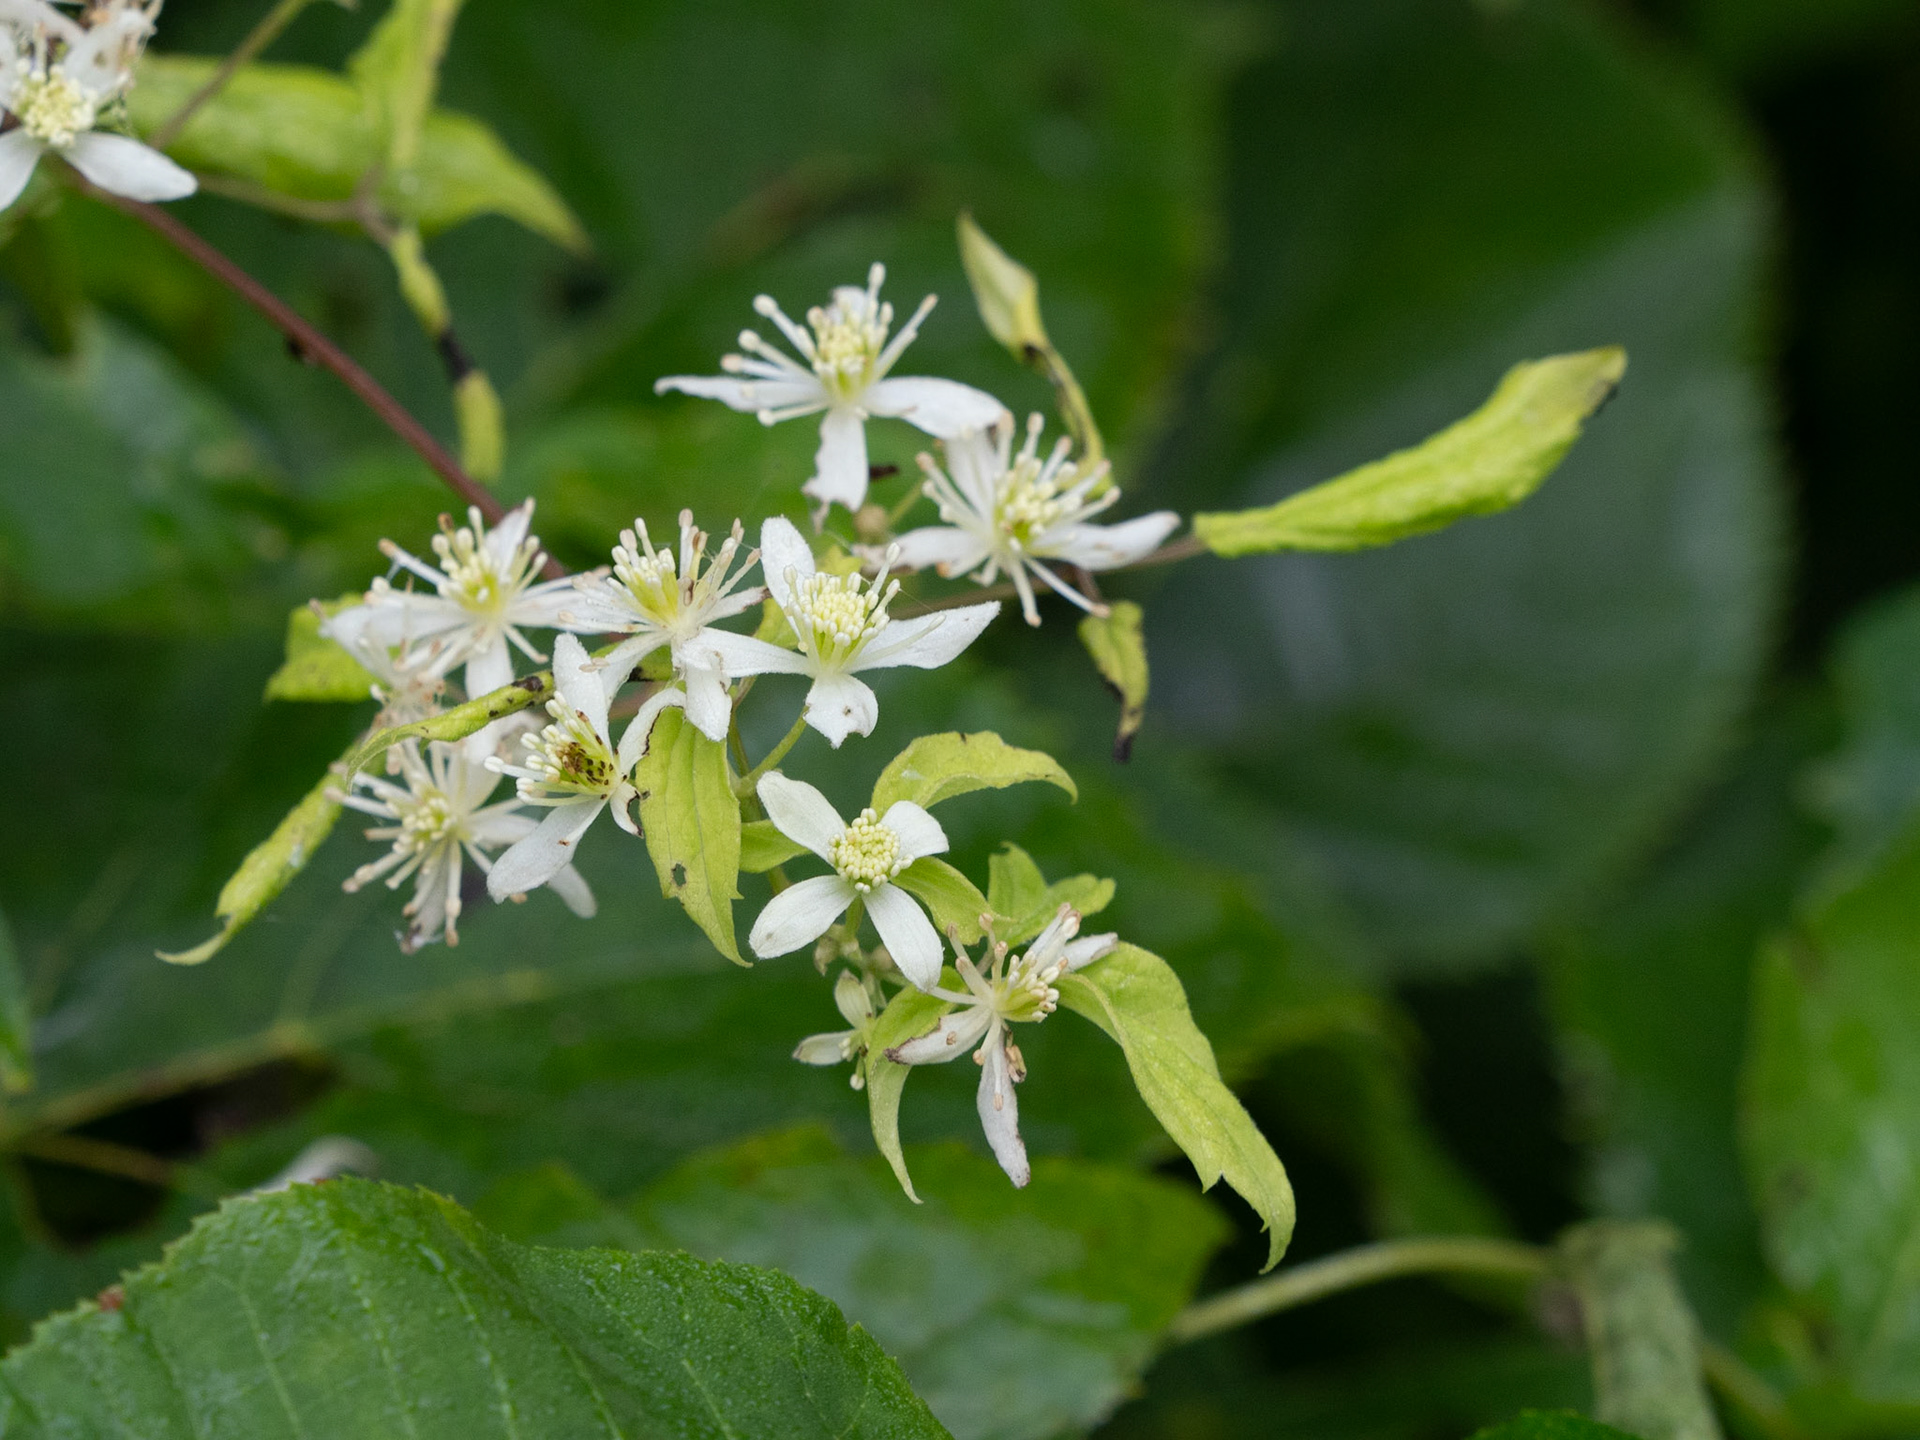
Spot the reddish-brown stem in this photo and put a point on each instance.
(311, 345)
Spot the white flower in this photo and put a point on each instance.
(1016, 512)
(847, 356)
(483, 593)
(866, 856)
(842, 627)
(1020, 991)
(659, 602)
(440, 816)
(56, 76)
(836, 1047)
(573, 768)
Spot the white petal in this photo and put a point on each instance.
(580, 688)
(954, 550)
(739, 656)
(1000, 1112)
(535, 860)
(19, 153)
(799, 915)
(977, 460)
(633, 740)
(953, 1037)
(1104, 547)
(490, 669)
(782, 549)
(504, 539)
(920, 834)
(940, 407)
(1088, 948)
(709, 706)
(801, 813)
(907, 933)
(840, 464)
(838, 705)
(927, 641)
(829, 1049)
(126, 167)
(748, 396)
(572, 888)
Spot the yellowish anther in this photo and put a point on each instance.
(848, 336)
(838, 614)
(867, 853)
(51, 106)
(426, 822)
(567, 759)
(474, 577)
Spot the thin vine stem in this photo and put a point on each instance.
(1366, 1265)
(746, 784)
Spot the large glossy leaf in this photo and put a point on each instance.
(1471, 726)
(368, 1310)
(1078, 1273)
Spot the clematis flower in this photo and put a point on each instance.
(848, 357)
(659, 601)
(836, 1047)
(1016, 513)
(573, 768)
(842, 627)
(484, 593)
(866, 856)
(439, 817)
(56, 76)
(1004, 993)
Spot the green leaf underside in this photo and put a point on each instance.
(270, 867)
(910, 1013)
(1019, 894)
(458, 722)
(1552, 1425)
(1641, 1335)
(939, 767)
(359, 1309)
(1119, 652)
(955, 902)
(316, 668)
(764, 845)
(398, 71)
(306, 133)
(1137, 999)
(16, 1020)
(1491, 460)
(691, 819)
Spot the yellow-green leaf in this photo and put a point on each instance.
(1491, 460)
(270, 866)
(909, 1014)
(317, 668)
(398, 71)
(304, 133)
(457, 723)
(1137, 999)
(1020, 896)
(691, 819)
(764, 845)
(954, 901)
(1119, 652)
(939, 767)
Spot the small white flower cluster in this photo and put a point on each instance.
(58, 77)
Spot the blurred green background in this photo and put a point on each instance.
(1464, 849)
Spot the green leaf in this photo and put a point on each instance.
(939, 767)
(317, 668)
(1640, 1333)
(1552, 1425)
(270, 867)
(1832, 1121)
(1486, 463)
(307, 134)
(1138, 1000)
(1119, 652)
(16, 1019)
(764, 845)
(1078, 1273)
(457, 723)
(691, 819)
(398, 71)
(340, 1309)
(910, 1013)
(1018, 891)
(954, 901)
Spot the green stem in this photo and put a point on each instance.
(1366, 1265)
(246, 52)
(744, 786)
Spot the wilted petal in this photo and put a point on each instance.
(907, 933)
(1104, 547)
(920, 834)
(927, 641)
(940, 407)
(126, 167)
(801, 813)
(1000, 1112)
(799, 915)
(838, 705)
(840, 464)
(534, 861)
(954, 1036)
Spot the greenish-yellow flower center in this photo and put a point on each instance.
(867, 853)
(568, 758)
(53, 109)
(848, 337)
(428, 822)
(835, 615)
